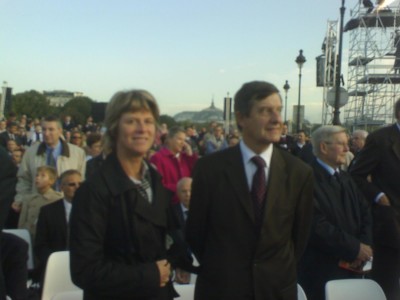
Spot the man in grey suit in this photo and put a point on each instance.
(251, 208)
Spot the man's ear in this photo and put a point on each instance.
(323, 148)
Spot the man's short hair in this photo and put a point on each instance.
(251, 92)
(175, 130)
(68, 173)
(53, 118)
(51, 171)
(93, 138)
(362, 133)
(324, 134)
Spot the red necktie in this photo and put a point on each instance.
(258, 188)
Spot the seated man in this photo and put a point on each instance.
(341, 236)
(52, 227)
(181, 209)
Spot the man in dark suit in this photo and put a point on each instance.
(251, 206)
(52, 232)
(380, 161)
(341, 235)
(10, 134)
(13, 250)
(181, 210)
(286, 141)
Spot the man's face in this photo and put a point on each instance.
(284, 130)
(38, 128)
(13, 129)
(357, 142)
(218, 132)
(51, 133)
(69, 185)
(16, 157)
(184, 192)
(333, 152)
(301, 137)
(263, 125)
(2, 125)
(11, 145)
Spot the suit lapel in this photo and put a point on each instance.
(237, 177)
(395, 137)
(276, 179)
(60, 218)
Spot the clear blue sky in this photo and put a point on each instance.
(184, 52)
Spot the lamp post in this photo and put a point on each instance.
(300, 60)
(286, 87)
(336, 112)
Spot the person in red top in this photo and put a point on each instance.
(175, 160)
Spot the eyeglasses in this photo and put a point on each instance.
(73, 184)
(76, 137)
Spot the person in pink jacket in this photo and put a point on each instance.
(175, 160)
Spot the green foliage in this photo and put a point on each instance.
(31, 103)
(79, 108)
(167, 120)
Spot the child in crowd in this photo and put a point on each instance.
(45, 179)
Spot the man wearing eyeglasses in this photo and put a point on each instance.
(341, 234)
(52, 232)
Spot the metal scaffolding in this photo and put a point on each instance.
(373, 79)
(328, 74)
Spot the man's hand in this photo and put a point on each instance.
(16, 206)
(383, 200)
(182, 276)
(365, 253)
(165, 270)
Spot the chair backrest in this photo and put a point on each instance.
(71, 295)
(354, 289)
(300, 293)
(186, 291)
(57, 278)
(25, 235)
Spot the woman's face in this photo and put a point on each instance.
(176, 143)
(136, 132)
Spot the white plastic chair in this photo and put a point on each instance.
(353, 289)
(70, 295)
(24, 234)
(300, 293)
(57, 277)
(186, 291)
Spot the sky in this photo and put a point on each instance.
(185, 53)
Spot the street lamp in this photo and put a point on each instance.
(286, 87)
(300, 60)
(336, 112)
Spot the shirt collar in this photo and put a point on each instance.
(328, 168)
(248, 153)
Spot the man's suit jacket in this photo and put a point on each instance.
(379, 160)
(341, 221)
(236, 263)
(51, 231)
(8, 180)
(4, 138)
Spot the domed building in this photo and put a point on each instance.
(209, 114)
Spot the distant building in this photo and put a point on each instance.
(206, 115)
(60, 98)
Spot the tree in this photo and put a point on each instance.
(79, 108)
(32, 104)
(167, 120)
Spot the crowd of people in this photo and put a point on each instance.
(259, 209)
